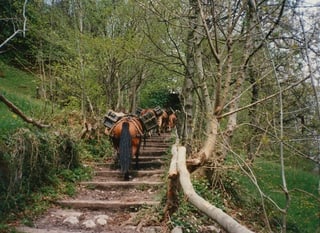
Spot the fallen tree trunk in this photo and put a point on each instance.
(223, 219)
(17, 111)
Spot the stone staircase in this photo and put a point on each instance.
(107, 203)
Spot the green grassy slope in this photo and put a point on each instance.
(20, 89)
(49, 164)
(303, 212)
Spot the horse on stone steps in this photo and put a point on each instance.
(126, 135)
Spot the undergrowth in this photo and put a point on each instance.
(20, 88)
(187, 216)
(36, 167)
(239, 197)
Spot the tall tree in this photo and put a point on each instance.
(238, 58)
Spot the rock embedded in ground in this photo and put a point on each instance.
(73, 220)
(89, 223)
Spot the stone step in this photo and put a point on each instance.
(154, 148)
(104, 185)
(135, 173)
(154, 141)
(25, 229)
(150, 157)
(152, 152)
(89, 229)
(121, 178)
(142, 164)
(101, 204)
(157, 140)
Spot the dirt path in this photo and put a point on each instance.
(109, 204)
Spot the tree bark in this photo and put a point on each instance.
(188, 86)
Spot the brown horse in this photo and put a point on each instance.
(172, 121)
(163, 121)
(126, 135)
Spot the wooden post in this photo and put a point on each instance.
(172, 188)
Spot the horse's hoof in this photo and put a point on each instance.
(128, 178)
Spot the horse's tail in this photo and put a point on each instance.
(125, 149)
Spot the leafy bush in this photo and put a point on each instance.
(97, 149)
(31, 160)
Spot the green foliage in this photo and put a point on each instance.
(9, 121)
(96, 150)
(5, 228)
(33, 160)
(303, 190)
(161, 97)
(70, 177)
(20, 89)
(37, 166)
(101, 64)
(154, 98)
(76, 174)
(187, 216)
(17, 81)
(214, 196)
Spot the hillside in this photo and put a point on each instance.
(38, 150)
(20, 88)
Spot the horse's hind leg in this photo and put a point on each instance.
(116, 164)
(126, 176)
(137, 162)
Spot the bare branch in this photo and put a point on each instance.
(264, 99)
(24, 18)
(23, 31)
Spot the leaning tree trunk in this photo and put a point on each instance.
(211, 121)
(235, 100)
(188, 86)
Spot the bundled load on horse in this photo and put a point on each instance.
(158, 111)
(149, 121)
(111, 118)
(151, 118)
